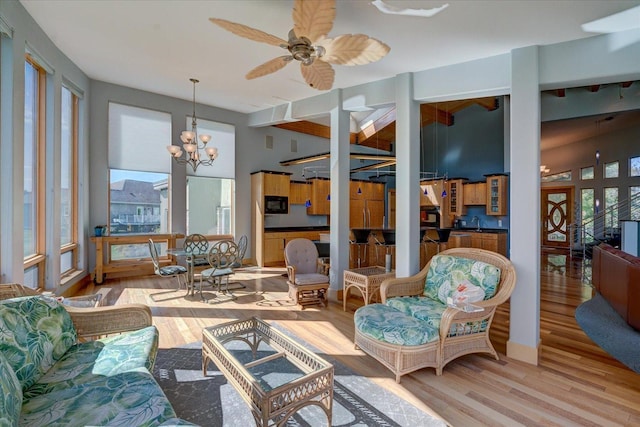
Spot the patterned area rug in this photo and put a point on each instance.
(211, 401)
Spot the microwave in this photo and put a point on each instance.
(276, 205)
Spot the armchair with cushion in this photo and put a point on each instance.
(308, 275)
(443, 312)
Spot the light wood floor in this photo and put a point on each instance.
(576, 383)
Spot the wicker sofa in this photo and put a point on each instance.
(50, 376)
(443, 312)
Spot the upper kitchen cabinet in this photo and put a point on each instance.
(320, 192)
(496, 195)
(299, 192)
(276, 183)
(431, 192)
(474, 193)
(456, 197)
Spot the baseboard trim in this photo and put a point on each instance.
(523, 353)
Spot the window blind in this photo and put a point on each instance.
(138, 138)
(223, 137)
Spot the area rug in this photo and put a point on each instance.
(608, 329)
(211, 401)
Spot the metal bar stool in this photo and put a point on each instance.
(361, 243)
(388, 244)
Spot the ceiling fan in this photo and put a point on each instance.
(308, 43)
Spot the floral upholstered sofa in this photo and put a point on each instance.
(49, 378)
(443, 312)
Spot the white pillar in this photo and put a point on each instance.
(524, 337)
(339, 170)
(407, 178)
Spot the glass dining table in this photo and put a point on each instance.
(192, 258)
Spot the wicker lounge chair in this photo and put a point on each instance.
(414, 331)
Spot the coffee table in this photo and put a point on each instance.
(366, 279)
(247, 367)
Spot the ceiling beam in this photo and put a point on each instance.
(310, 128)
(594, 88)
(561, 93)
(429, 113)
(626, 84)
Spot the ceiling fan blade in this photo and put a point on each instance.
(319, 75)
(269, 67)
(248, 32)
(313, 19)
(353, 49)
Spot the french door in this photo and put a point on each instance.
(557, 215)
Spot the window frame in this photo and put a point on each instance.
(38, 259)
(72, 246)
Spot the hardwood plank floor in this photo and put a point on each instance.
(575, 384)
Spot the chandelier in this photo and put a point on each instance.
(191, 146)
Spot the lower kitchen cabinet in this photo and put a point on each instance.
(495, 242)
(273, 245)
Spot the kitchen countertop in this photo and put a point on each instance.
(482, 230)
(291, 229)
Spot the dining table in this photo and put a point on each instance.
(191, 258)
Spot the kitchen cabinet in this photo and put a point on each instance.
(276, 184)
(497, 195)
(431, 193)
(319, 196)
(273, 249)
(495, 242)
(299, 193)
(366, 213)
(474, 193)
(366, 204)
(455, 197)
(272, 253)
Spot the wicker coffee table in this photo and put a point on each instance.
(246, 366)
(366, 279)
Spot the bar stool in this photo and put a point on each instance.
(361, 243)
(443, 237)
(387, 245)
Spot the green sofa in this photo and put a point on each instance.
(48, 377)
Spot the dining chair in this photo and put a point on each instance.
(242, 249)
(198, 246)
(167, 270)
(222, 256)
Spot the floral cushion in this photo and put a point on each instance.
(10, 394)
(419, 307)
(383, 323)
(90, 362)
(130, 398)
(35, 332)
(461, 279)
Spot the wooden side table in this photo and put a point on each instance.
(366, 279)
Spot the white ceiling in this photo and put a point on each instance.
(158, 45)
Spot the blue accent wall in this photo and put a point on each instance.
(471, 147)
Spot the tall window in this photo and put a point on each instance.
(611, 208)
(209, 205)
(588, 208)
(139, 170)
(68, 183)
(634, 197)
(210, 190)
(34, 134)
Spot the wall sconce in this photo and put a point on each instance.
(597, 205)
(597, 156)
(307, 203)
